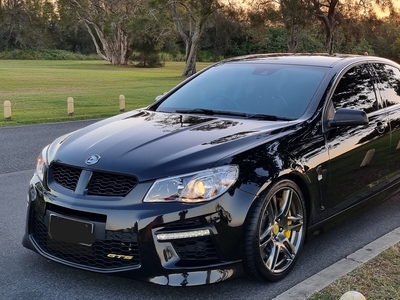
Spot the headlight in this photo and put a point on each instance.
(194, 187)
(41, 165)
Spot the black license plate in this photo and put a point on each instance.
(71, 230)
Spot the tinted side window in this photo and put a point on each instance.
(389, 78)
(356, 90)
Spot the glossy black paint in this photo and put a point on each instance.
(338, 158)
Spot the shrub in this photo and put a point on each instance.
(176, 56)
(46, 54)
(146, 60)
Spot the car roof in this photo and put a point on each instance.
(308, 59)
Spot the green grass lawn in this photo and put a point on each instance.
(377, 279)
(38, 89)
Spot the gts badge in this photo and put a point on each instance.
(127, 257)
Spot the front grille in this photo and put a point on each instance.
(94, 256)
(66, 176)
(100, 184)
(106, 184)
(196, 249)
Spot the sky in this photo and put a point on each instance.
(385, 13)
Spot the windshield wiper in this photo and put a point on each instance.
(195, 110)
(269, 117)
(211, 112)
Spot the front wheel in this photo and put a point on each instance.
(275, 232)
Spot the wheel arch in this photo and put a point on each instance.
(299, 181)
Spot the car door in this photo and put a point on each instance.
(389, 90)
(357, 154)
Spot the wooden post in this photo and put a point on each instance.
(70, 106)
(7, 110)
(121, 103)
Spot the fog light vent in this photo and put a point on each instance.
(183, 235)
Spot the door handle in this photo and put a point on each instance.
(380, 127)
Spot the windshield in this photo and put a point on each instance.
(270, 89)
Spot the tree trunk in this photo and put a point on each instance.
(293, 37)
(329, 40)
(329, 22)
(115, 50)
(190, 67)
(189, 26)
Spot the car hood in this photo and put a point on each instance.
(152, 145)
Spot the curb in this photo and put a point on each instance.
(322, 279)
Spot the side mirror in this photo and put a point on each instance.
(348, 117)
(158, 98)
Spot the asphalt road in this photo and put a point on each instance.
(26, 275)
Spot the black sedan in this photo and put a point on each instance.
(226, 174)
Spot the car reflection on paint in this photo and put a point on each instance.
(226, 174)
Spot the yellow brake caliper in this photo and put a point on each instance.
(287, 233)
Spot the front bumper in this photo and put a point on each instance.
(125, 235)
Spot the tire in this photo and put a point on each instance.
(275, 232)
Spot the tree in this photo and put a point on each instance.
(69, 32)
(26, 24)
(381, 34)
(151, 32)
(326, 10)
(290, 15)
(107, 22)
(311, 41)
(190, 17)
(228, 31)
(396, 49)
(295, 17)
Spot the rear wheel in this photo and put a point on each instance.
(275, 232)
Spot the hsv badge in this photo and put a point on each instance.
(93, 159)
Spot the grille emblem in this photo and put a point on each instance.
(93, 159)
(120, 256)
